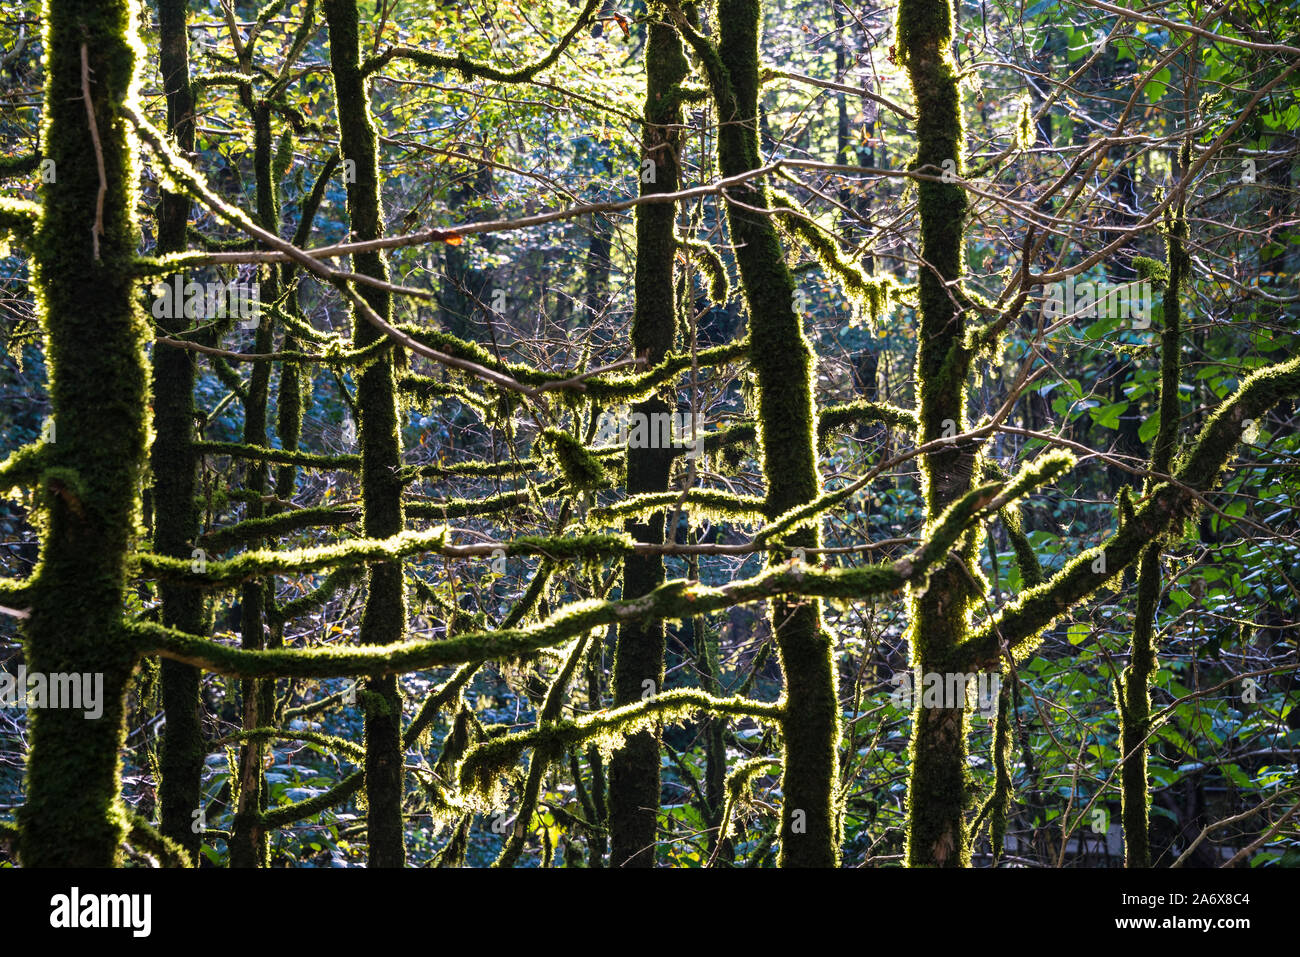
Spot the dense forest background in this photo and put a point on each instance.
(341, 344)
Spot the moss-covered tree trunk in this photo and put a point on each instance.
(173, 463)
(1134, 693)
(95, 335)
(384, 619)
(639, 651)
(782, 358)
(249, 843)
(941, 610)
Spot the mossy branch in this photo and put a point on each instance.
(22, 469)
(736, 784)
(144, 835)
(281, 816)
(18, 218)
(485, 762)
(315, 598)
(871, 296)
(449, 508)
(552, 707)
(9, 834)
(263, 562)
(241, 450)
(637, 386)
(836, 417)
(720, 505)
(1043, 470)
(488, 469)
(14, 596)
(1031, 571)
(19, 165)
(425, 388)
(273, 526)
(711, 267)
(673, 600)
(473, 69)
(581, 469)
(1021, 622)
(333, 742)
(221, 79)
(602, 388)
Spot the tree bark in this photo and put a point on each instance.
(639, 649)
(782, 358)
(95, 334)
(940, 610)
(174, 467)
(384, 619)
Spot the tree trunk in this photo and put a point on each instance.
(248, 842)
(639, 650)
(95, 338)
(173, 463)
(384, 619)
(1135, 683)
(781, 356)
(940, 611)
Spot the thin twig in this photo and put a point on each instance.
(98, 229)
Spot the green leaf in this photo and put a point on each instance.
(1107, 416)
(1157, 85)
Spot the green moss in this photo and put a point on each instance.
(271, 526)
(485, 763)
(1151, 270)
(424, 389)
(23, 467)
(940, 612)
(316, 598)
(1031, 572)
(542, 756)
(870, 296)
(143, 836)
(711, 267)
(19, 165)
(18, 218)
(1024, 136)
(581, 469)
(603, 388)
(330, 741)
(173, 465)
(634, 784)
(264, 562)
(1134, 700)
(241, 450)
(711, 503)
(1000, 800)
(14, 594)
(218, 78)
(672, 600)
(782, 361)
(94, 344)
(383, 621)
(1134, 693)
(1020, 623)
